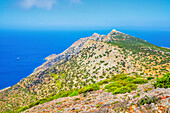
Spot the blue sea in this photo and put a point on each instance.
(21, 51)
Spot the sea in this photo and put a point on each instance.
(21, 51)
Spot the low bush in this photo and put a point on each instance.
(114, 84)
(122, 90)
(122, 77)
(64, 93)
(106, 64)
(129, 79)
(22, 109)
(147, 100)
(132, 86)
(102, 61)
(92, 87)
(75, 93)
(150, 78)
(118, 77)
(44, 100)
(140, 81)
(76, 99)
(103, 82)
(34, 103)
(98, 105)
(122, 82)
(138, 95)
(111, 89)
(138, 76)
(163, 82)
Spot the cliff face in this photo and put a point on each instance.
(88, 60)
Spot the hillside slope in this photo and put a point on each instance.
(89, 60)
(105, 102)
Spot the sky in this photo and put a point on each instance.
(81, 14)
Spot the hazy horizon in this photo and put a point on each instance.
(84, 14)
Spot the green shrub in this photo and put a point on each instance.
(138, 76)
(138, 95)
(106, 64)
(92, 87)
(147, 100)
(44, 101)
(122, 90)
(103, 82)
(34, 103)
(111, 89)
(107, 86)
(22, 109)
(150, 78)
(115, 84)
(115, 102)
(140, 81)
(122, 82)
(98, 105)
(122, 77)
(75, 93)
(129, 79)
(56, 96)
(55, 76)
(64, 93)
(163, 82)
(41, 101)
(132, 86)
(102, 61)
(76, 99)
(118, 77)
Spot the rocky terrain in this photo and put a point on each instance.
(105, 102)
(89, 61)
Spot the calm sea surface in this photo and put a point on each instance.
(31, 47)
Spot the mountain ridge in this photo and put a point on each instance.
(54, 58)
(65, 55)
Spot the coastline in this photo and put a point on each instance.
(5, 88)
(166, 47)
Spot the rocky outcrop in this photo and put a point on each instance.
(108, 38)
(50, 57)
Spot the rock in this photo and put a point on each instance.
(166, 102)
(72, 109)
(137, 111)
(102, 111)
(134, 109)
(106, 105)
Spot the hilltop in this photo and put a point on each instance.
(87, 62)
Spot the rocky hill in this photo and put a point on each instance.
(86, 62)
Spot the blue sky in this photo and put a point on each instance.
(80, 14)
